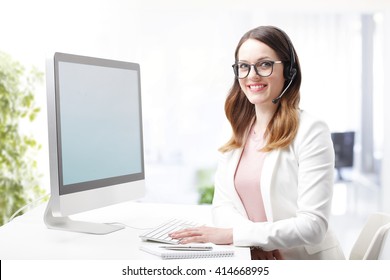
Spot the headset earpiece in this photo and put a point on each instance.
(290, 71)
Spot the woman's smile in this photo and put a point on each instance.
(257, 87)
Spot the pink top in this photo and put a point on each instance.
(247, 178)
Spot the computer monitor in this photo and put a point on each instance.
(95, 138)
(343, 143)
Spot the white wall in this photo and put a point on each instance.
(385, 184)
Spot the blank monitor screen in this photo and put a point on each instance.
(100, 133)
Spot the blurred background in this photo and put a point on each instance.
(186, 49)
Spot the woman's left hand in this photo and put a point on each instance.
(204, 234)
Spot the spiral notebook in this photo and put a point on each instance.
(216, 252)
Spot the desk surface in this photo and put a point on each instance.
(27, 237)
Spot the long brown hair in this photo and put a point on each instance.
(283, 126)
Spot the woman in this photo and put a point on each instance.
(273, 186)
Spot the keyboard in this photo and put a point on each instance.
(160, 233)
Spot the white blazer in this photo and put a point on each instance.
(297, 188)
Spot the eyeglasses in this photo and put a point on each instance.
(262, 68)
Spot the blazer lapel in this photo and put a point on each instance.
(232, 172)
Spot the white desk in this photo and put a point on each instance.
(27, 237)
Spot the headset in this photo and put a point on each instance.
(289, 72)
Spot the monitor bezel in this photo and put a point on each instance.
(100, 62)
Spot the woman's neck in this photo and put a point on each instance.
(263, 117)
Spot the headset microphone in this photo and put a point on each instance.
(293, 73)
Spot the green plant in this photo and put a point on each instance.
(19, 176)
(206, 195)
(205, 178)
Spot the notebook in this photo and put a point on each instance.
(216, 251)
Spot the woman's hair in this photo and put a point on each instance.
(283, 126)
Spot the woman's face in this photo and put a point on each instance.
(260, 90)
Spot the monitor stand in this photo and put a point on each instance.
(65, 223)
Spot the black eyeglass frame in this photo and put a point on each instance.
(235, 67)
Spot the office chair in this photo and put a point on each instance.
(373, 241)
